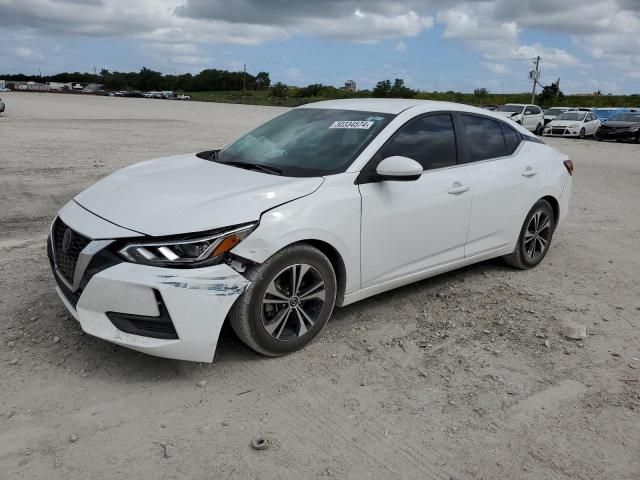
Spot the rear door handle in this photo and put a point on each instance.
(457, 188)
(529, 172)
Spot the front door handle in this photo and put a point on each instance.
(529, 172)
(457, 188)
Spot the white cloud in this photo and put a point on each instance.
(401, 46)
(497, 68)
(23, 52)
(607, 31)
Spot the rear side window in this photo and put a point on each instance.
(430, 141)
(484, 138)
(511, 138)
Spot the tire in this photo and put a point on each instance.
(539, 129)
(522, 256)
(270, 317)
(583, 134)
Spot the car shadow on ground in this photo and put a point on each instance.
(98, 359)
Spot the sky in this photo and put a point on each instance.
(432, 44)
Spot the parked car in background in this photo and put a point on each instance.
(552, 113)
(573, 124)
(183, 97)
(322, 206)
(530, 117)
(2, 106)
(623, 126)
(491, 108)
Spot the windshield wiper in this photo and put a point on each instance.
(254, 166)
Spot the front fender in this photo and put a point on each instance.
(331, 215)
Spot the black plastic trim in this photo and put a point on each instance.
(146, 326)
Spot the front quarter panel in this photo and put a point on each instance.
(331, 215)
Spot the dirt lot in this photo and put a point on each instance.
(449, 378)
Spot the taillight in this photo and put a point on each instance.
(569, 165)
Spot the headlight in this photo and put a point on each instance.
(192, 252)
(635, 128)
(573, 125)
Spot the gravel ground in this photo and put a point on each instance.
(463, 376)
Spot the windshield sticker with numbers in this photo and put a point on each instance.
(357, 124)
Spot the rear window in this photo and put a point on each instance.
(511, 138)
(484, 138)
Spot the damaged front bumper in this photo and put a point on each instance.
(167, 312)
(127, 303)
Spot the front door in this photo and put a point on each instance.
(411, 227)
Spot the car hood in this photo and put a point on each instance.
(185, 194)
(509, 114)
(617, 124)
(563, 123)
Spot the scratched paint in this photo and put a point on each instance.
(222, 289)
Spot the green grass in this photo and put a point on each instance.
(264, 97)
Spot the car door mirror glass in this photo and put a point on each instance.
(399, 168)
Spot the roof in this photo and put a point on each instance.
(381, 105)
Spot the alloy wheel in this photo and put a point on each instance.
(537, 235)
(293, 302)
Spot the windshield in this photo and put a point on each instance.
(554, 111)
(626, 117)
(307, 142)
(573, 116)
(605, 112)
(511, 108)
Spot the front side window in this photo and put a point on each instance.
(306, 141)
(430, 141)
(484, 138)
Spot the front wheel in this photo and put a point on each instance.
(539, 129)
(535, 237)
(289, 300)
(583, 134)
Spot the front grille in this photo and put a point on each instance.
(66, 251)
(72, 297)
(557, 131)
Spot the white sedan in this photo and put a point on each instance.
(573, 124)
(325, 205)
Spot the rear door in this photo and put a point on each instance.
(410, 227)
(504, 179)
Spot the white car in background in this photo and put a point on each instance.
(551, 113)
(573, 124)
(322, 206)
(530, 117)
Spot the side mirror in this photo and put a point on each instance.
(400, 169)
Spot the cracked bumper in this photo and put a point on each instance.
(197, 301)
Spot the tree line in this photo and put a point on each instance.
(147, 80)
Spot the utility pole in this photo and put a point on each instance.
(557, 91)
(535, 74)
(244, 82)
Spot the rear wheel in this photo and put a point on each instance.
(289, 301)
(535, 237)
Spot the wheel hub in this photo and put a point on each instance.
(293, 302)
